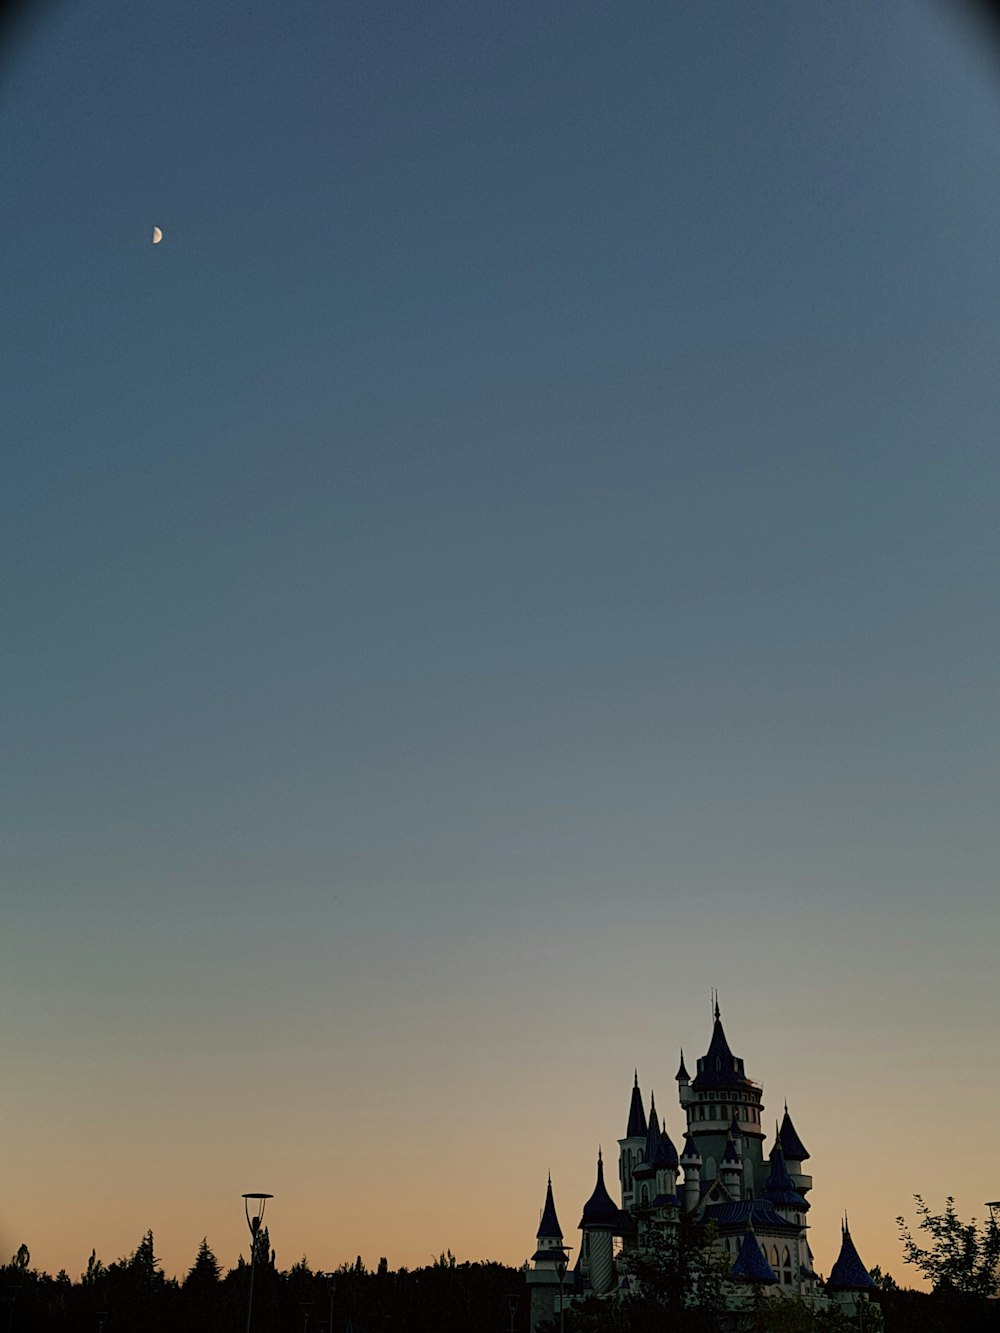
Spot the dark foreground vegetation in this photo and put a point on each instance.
(960, 1260)
(133, 1294)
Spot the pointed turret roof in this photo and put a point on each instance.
(549, 1227)
(751, 1265)
(666, 1153)
(690, 1149)
(731, 1155)
(791, 1145)
(718, 1067)
(637, 1127)
(734, 1128)
(779, 1187)
(682, 1074)
(600, 1210)
(849, 1273)
(653, 1132)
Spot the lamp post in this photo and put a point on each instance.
(260, 1203)
(331, 1287)
(512, 1303)
(561, 1270)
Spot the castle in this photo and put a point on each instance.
(758, 1204)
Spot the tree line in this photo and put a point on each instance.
(959, 1260)
(134, 1294)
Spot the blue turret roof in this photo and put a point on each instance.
(779, 1188)
(653, 1133)
(556, 1255)
(739, 1212)
(849, 1273)
(549, 1227)
(666, 1153)
(636, 1114)
(719, 1068)
(682, 1074)
(731, 1155)
(600, 1210)
(690, 1148)
(751, 1265)
(791, 1145)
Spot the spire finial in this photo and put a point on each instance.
(716, 1014)
(652, 1101)
(600, 1159)
(786, 1106)
(637, 1077)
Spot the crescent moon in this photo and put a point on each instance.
(157, 236)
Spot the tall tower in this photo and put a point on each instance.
(550, 1257)
(599, 1223)
(632, 1147)
(720, 1093)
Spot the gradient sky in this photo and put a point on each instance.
(521, 552)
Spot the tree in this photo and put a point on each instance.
(204, 1272)
(961, 1257)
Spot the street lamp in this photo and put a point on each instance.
(561, 1270)
(994, 1208)
(512, 1303)
(331, 1281)
(260, 1203)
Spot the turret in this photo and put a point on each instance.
(751, 1265)
(731, 1168)
(691, 1162)
(645, 1171)
(779, 1190)
(599, 1223)
(795, 1154)
(548, 1264)
(632, 1147)
(684, 1092)
(665, 1164)
(849, 1282)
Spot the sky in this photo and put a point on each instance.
(520, 553)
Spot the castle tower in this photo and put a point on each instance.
(719, 1093)
(684, 1093)
(849, 1283)
(632, 1147)
(795, 1154)
(548, 1261)
(731, 1168)
(691, 1162)
(665, 1164)
(599, 1223)
(644, 1173)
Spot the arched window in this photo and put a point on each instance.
(786, 1258)
(644, 1193)
(774, 1258)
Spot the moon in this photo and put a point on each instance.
(157, 236)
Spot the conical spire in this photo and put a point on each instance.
(719, 1068)
(751, 1265)
(600, 1210)
(780, 1188)
(791, 1145)
(682, 1075)
(848, 1273)
(549, 1227)
(653, 1132)
(637, 1127)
